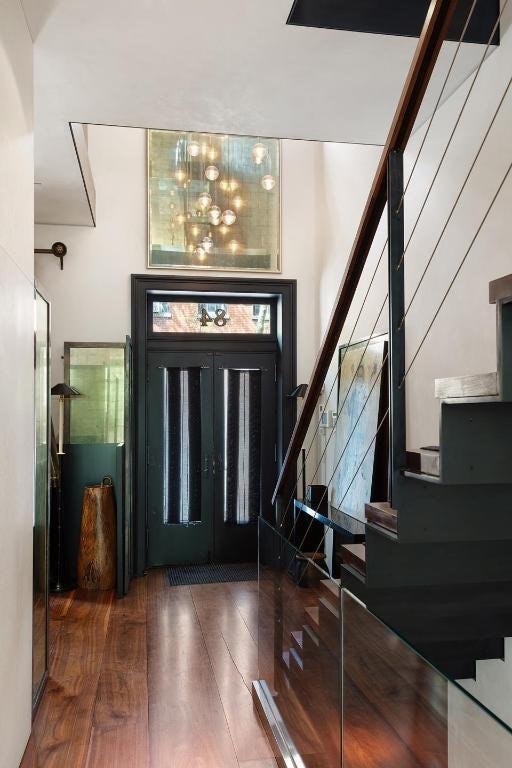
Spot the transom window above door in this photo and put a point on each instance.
(212, 317)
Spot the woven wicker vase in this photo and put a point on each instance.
(97, 551)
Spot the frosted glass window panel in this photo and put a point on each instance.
(98, 373)
(193, 179)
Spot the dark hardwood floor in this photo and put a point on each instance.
(161, 679)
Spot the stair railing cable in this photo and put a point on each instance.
(452, 281)
(340, 409)
(335, 379)
(438, 102)
(324, 407)
(450, 138)
(311, 557)
(326, 490)
(459, 195)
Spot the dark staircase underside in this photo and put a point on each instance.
(393, 17)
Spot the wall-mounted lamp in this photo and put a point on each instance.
(299, 391)
(58, 249)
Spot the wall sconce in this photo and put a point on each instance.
(58, 249)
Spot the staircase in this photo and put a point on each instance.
(310, 672)
(437, 565)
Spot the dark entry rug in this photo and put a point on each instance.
(180, 575)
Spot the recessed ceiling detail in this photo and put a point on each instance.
(393, 17)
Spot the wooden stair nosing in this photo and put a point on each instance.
(297, 640)
(313, 617)
(295, 661)
(308, 636)
(382, 514)
(327, 604)
(331, 590)
(354, 555)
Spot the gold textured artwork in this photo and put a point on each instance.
(213, 202)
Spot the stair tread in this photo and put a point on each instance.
(307, 630)
(354, 555)
(298, 638)
(500, 289)
(314, 614)
(471, 386)
(382, 514)
(329, 606)
(294, 656)
(332, 585)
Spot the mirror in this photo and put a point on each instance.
(41, 500)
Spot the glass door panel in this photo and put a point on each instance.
(179, 454)
(245, 438)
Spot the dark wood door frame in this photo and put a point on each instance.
(284, 292)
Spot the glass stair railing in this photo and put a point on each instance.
(338, 687)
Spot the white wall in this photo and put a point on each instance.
(91, 297)
(16, 381)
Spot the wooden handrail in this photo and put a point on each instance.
(437, 23)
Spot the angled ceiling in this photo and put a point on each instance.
(229, 66)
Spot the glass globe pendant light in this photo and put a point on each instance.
(193, 148)
(229, 217)
(259, 153)
(204, 200)
(212, 173)
(215, 214)
(207, 243)
(268, 182)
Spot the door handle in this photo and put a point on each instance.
(206, 465)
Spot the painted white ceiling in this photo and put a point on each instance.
(205, 65)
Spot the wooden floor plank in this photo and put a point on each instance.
(187, 723)
(233, 656)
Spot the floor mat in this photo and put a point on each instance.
(180, 575)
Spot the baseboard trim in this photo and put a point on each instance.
(282, 744)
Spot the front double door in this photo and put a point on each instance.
(211, 454)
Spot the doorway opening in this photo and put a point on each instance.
(213, 361)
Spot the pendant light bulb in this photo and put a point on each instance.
(207, 243)
(268, 182)
(215, 214)
(204, 200)
(193, 148)
(259, 153)
(229, 217)
(200, 253)
(212, 173)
